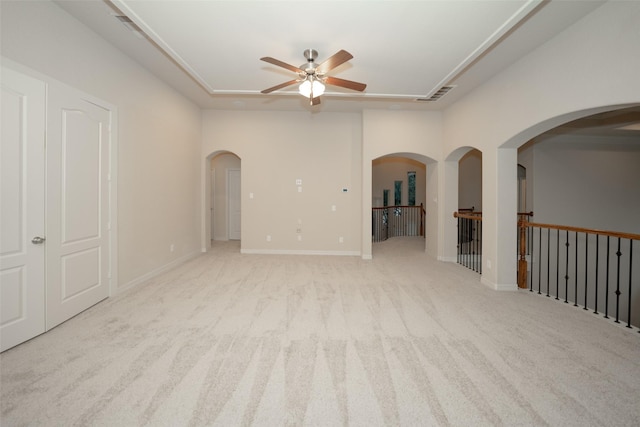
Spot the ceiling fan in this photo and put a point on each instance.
(312, 77)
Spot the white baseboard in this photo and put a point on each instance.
(447, 259)
(156, 272)
(367, 257)
(499, 287)
(297, 252)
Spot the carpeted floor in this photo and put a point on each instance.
(229, 339)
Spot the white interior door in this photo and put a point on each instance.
(77, 257)
(22, 154)
(233, 203)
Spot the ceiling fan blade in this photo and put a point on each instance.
(315, 101)
(281, 64)
(280, 86)
(345, 83)
(337, 59)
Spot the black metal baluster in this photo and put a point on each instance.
(477, 250)
(480, 247)
(539, 259)
(566, 271)
(606, 293)
(586, 268)
(548, 257)
(459, 248)
(597, 264)
(530, 245)
(474, 232)
(463, 245)
(619, 254)
(630, 276)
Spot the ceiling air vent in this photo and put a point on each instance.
(127, 22)
(436, 96)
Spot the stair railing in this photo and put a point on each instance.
(469, 249)
(590, 268)
(394, 221)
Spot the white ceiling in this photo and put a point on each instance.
(210, 50)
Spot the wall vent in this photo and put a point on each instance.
(436, 96)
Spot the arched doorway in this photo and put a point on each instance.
(222, 201)
(398, 195)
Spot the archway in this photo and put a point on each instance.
(399, 195)
(221, 198)
(584, 175)
(462, 192)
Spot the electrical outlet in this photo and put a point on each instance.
(268, 238)
(299, 237)
(340, 239)
(298, 230)
(172, 247)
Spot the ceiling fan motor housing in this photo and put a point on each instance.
(310, 67)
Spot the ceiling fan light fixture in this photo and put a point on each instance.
(308, 84)
(313, 77)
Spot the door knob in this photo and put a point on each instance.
(38, 240)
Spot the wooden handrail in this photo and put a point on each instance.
(581, 230)
(399, 206)
(468, 216)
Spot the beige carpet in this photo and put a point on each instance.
(230, 339)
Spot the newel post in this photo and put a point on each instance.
(522, 262)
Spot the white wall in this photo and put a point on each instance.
(278, 148)
(470, 181)
(588, 181)
(526, 159)
(158, 134)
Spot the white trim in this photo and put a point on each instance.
(297, 252)
(497, 286)
(447, 259)
(367, 257)
(156, 272)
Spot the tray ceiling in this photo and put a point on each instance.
(403, 50)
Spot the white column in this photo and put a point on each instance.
(448, 202)
(499, 218)
(366, 205)
(432, 207)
